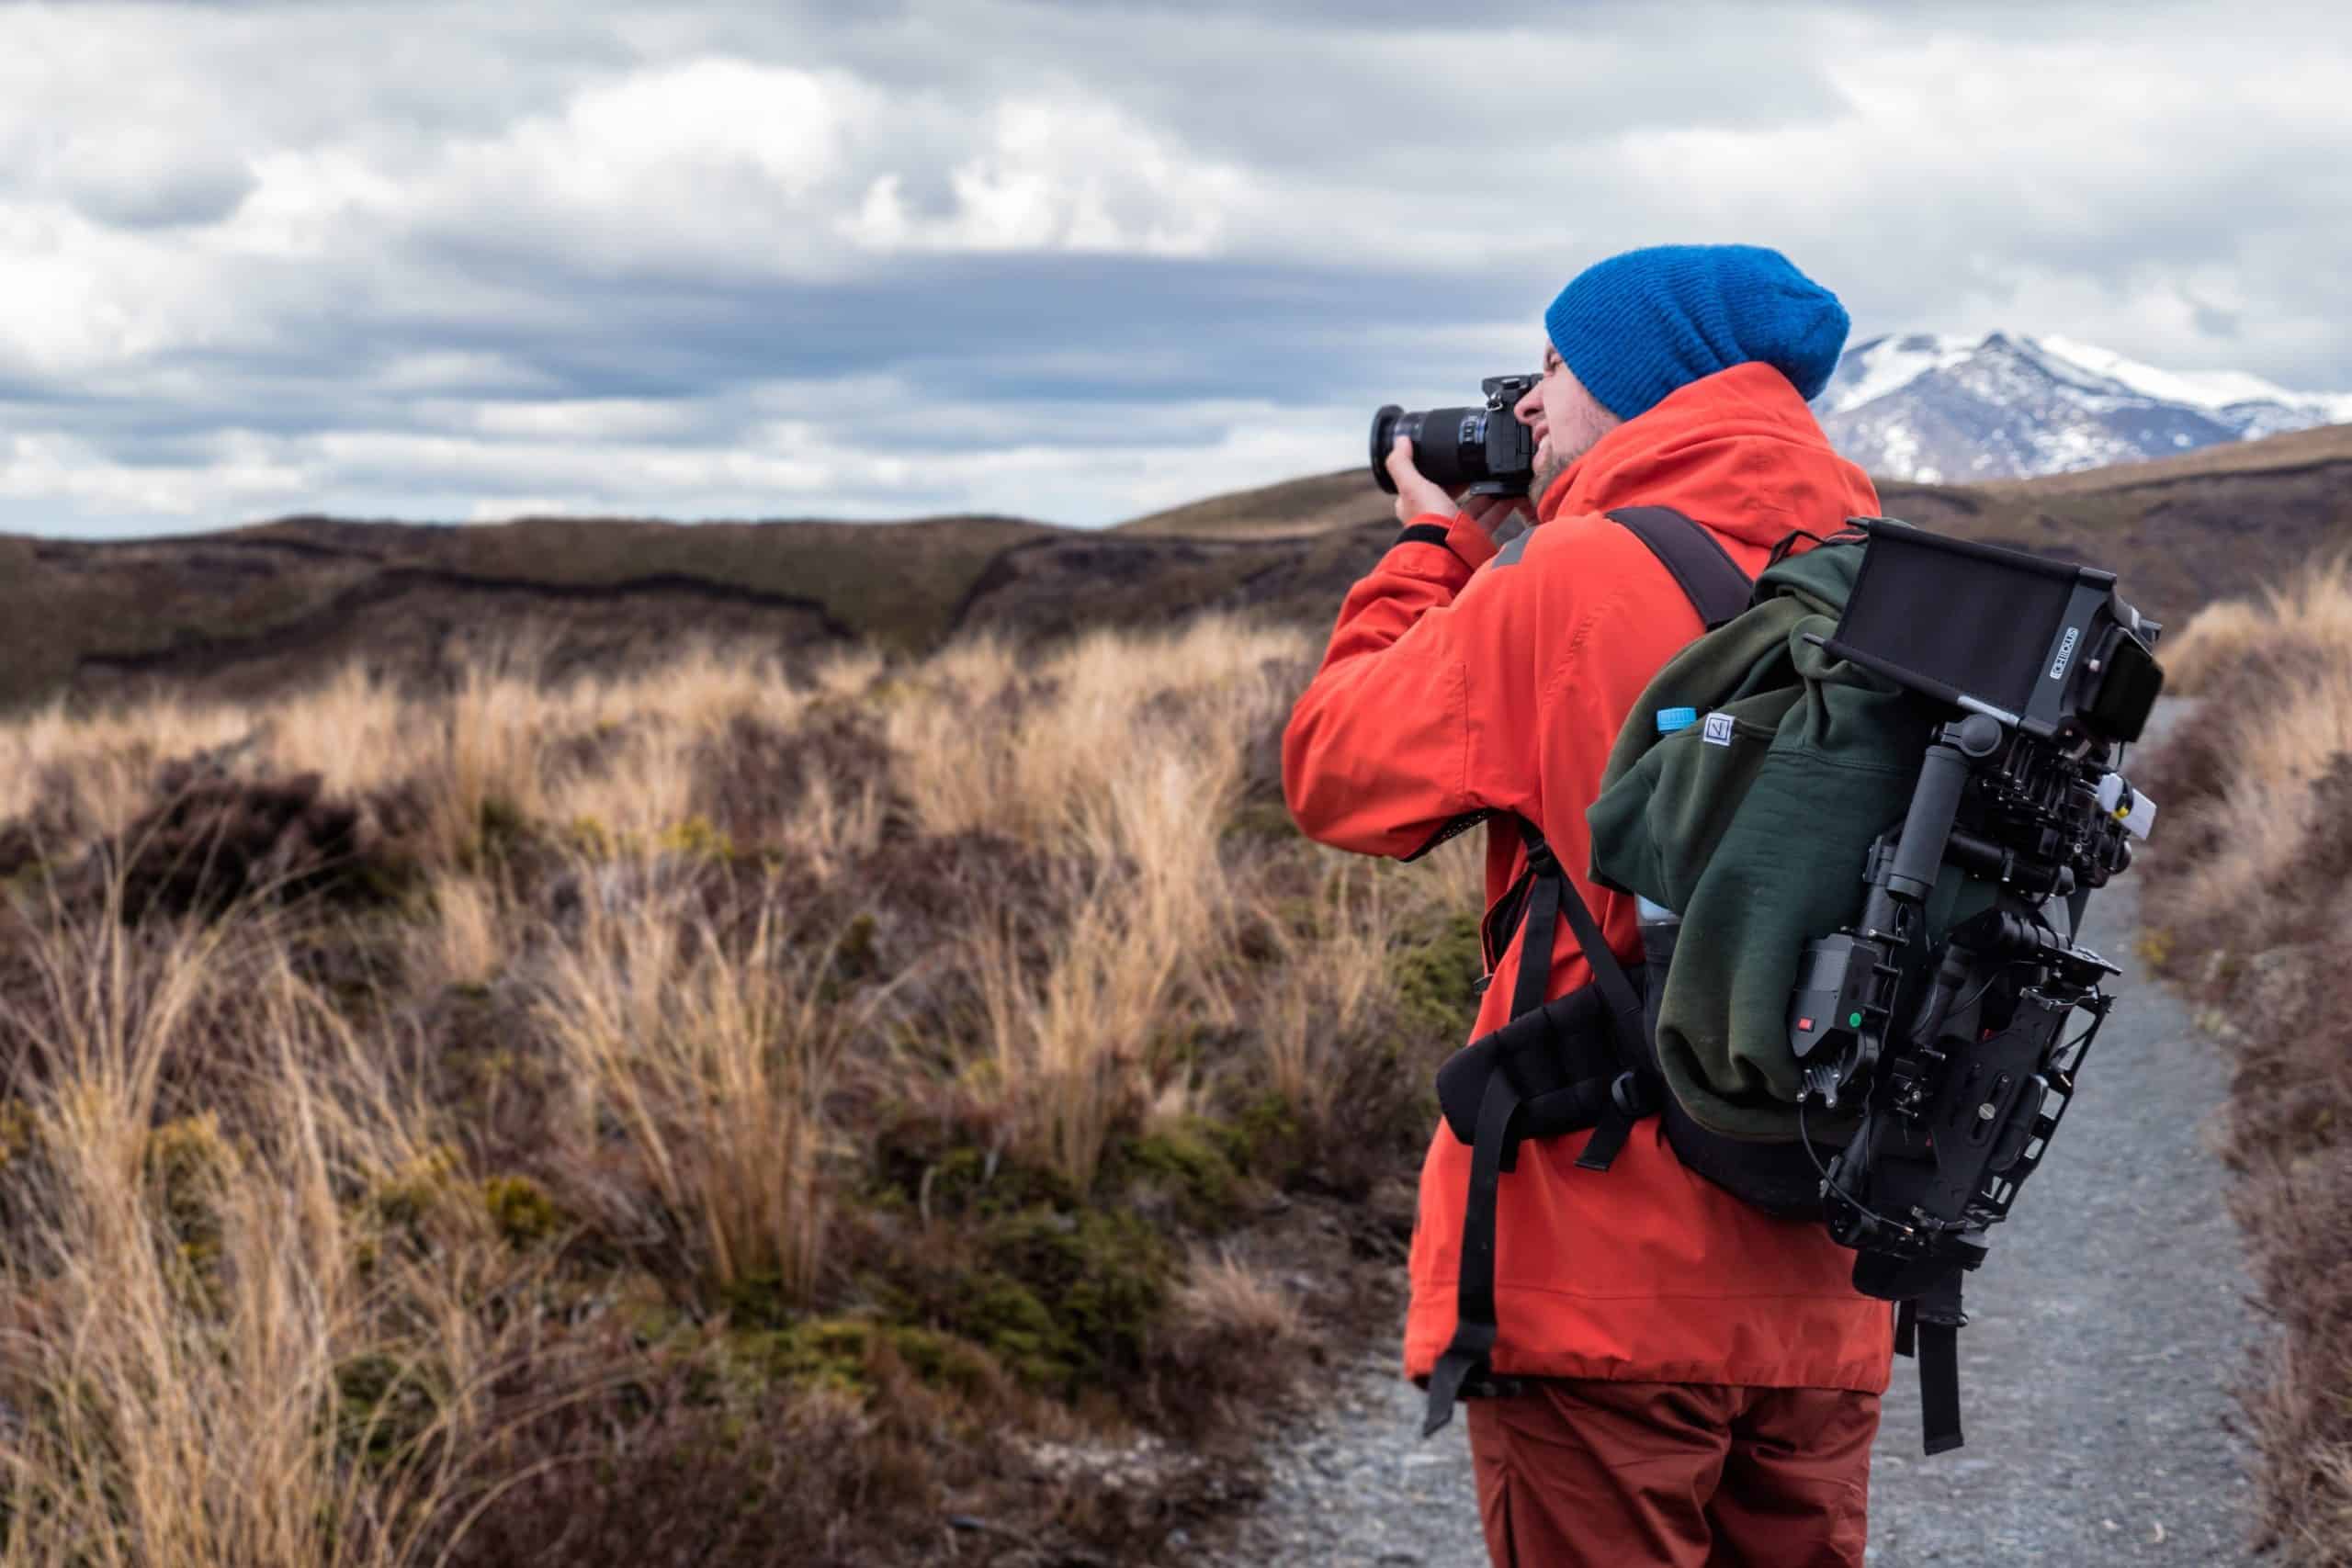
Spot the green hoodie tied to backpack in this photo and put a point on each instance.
(1758, 833)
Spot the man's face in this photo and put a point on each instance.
(1566, 418)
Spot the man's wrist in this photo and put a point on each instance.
(1466, 537)
(1459, 536)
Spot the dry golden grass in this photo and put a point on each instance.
(1331, 976)
(308, 1210)
(715, 1062)
(2216, 640)
(1036, 746)
(2279, 749)
(1223, 1294)
(1127, 751)
(2248, 882)
(100, 767)
(186, 1300)
(2309, 617)
(465, 942)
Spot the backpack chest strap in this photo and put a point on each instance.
(1557, 1067)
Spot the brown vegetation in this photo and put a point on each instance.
(240, 614)
(2252, 870)
(902, 1110)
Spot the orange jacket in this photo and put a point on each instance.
(1459, 680)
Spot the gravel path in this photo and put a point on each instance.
(2104, 1328)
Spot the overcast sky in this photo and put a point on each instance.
(1068, 261)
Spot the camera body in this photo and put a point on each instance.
(1470, 451)
(1961, 1053)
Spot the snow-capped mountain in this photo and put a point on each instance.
(1934, 408)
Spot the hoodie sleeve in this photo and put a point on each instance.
(1392, 740)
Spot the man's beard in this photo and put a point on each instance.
(1566, 446)
(1539, 485)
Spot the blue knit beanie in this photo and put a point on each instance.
(1636, 326)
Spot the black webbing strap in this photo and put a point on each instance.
(1474, 1312)
(1939, 1385)
(1927, 1326)
(1552, 894)
(1536, 918)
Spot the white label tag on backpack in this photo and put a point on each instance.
(1718, 731)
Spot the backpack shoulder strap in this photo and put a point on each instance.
(1713, 581)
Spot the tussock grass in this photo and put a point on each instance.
(1035, 747)
(465, 943)
(1332, 977)
(2303, 620)
(2252, 872)
(692, 1114)
(714, 1059)
(187, 1295)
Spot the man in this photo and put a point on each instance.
(1699, 1381)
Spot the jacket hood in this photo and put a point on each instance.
(1738, 451)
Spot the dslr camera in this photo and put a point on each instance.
(1470, 451)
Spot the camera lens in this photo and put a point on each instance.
(1391, 422)
(1452, 452)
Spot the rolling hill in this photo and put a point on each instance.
(245, 611)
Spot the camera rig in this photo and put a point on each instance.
(1959, 1049)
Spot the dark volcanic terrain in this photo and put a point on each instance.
(240, 613)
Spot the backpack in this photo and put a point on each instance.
(1754, 825)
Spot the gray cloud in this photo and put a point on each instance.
(1064, 259)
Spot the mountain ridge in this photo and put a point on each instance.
(1936, 408)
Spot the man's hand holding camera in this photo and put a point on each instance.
(1418, 495)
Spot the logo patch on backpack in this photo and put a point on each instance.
(1718, 730)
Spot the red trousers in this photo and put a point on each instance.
(1694, 1475)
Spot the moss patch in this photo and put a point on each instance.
(383, 1406)
(696, 838)
(1267, 1135)
(1102, 1278)
(1064, 1301)
(406, 1200)
(1188, 1160)
(855, 957)
(918, 1169)
(854, 1355)
(188, 1166)
(1433, 976)
(520, 1210)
